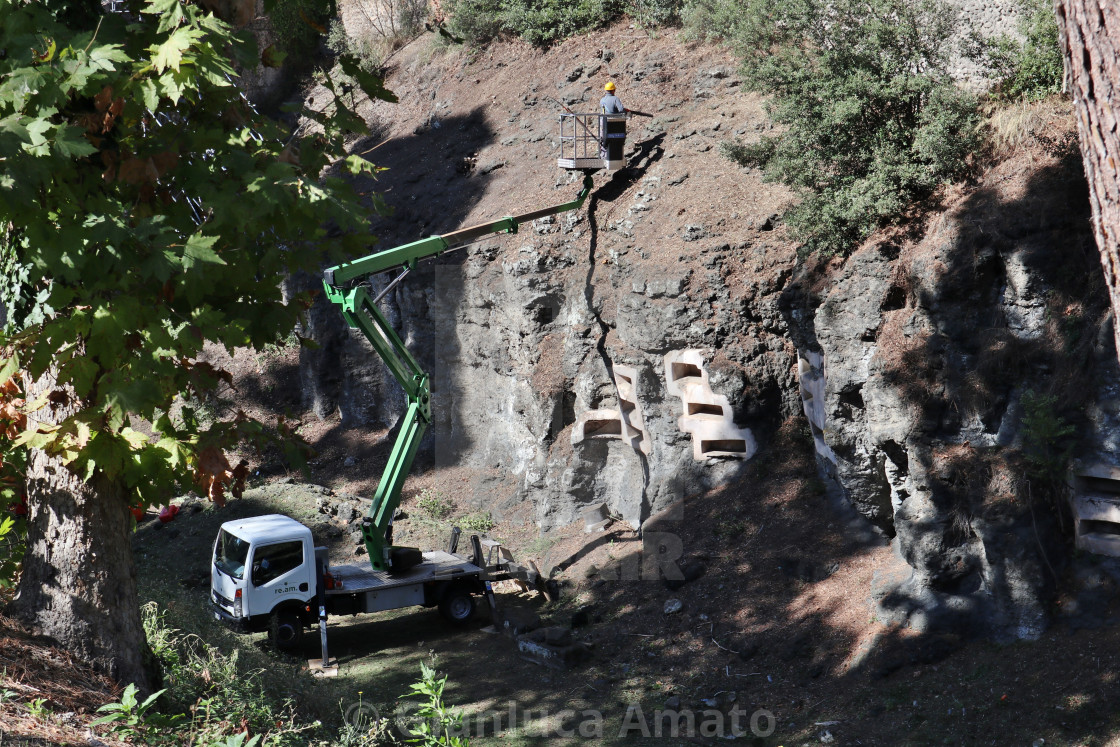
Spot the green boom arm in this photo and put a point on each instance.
(342, 284)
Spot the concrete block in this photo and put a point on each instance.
(596, 518)
(810, 376)
(552, 647)
(626, 423)
(706, 416)
(1095, 504)
(1097, 508)
(630, 411)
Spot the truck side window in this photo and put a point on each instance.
(273, 561)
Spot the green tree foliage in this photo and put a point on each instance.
(1048, 439)
(147, 209)
(652, 13)
(474, 21)
(1030, 68)
(869, 120)
(713, 20)
(12, 531)
(299, 23)
(537, 21)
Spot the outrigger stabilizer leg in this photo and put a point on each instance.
(344, 286)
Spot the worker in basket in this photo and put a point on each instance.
(612, 129)
(611, 103)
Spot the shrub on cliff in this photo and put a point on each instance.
(1030, 68)
(537, 21)
(870, 120)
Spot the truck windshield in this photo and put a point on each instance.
(230, 553)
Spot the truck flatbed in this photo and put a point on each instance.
(436, 566)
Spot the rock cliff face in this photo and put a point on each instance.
(935, 353)
(628, 354)
(638, 351)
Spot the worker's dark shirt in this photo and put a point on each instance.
(611, 104)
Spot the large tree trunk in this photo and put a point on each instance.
(78, 585)
(1090, 36)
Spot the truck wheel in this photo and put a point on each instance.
(285, 630)
(457, 606)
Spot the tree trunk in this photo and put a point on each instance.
(78, 585)
(1090, 37)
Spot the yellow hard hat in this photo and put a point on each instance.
(609, 86)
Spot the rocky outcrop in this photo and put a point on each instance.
(913, 361)
(547, 350)
(928, 350)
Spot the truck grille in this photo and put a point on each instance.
(222, 600)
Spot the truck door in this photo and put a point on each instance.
(279, 573)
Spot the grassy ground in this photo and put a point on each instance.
(751, 639)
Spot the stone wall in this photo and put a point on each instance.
(988, 19)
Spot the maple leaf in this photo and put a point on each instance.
(12, 420)
(240, 473)
(138, 171)
(111, 114)
(103, 99)
(212, 474)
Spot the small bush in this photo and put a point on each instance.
(365, 730)
(545, 21)
(1048, 440)
(475, 21)
(1030, 69)
(710, 19)
(480, 521)
(436, 724)
(537, 21)
(217, 697)
(130, 718)
(651, 13)
(410, 15)
(871, 120)
(434, 505)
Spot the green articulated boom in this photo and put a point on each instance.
(345, 286)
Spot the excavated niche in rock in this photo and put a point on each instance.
(602, 471)
(630, 412)
(1095, 504)
(597, 424)
(810, 375)
(626, 423)
(707, 415)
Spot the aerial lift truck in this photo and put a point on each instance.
(268, 575)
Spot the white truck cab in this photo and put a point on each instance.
(267, 574)
(263, 574)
